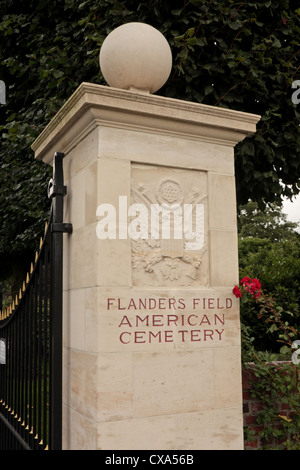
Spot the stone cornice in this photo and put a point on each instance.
(92, 105)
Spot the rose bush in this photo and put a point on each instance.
(257, 304)
(251, 286)
(264, 336)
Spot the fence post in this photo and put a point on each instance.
(56, 191)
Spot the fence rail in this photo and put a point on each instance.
(31, 342)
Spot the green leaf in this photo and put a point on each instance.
(235, 24)
(285, 350)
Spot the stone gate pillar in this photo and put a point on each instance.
(152, 355)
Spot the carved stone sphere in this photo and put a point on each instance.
(136, 56)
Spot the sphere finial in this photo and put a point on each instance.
(136, 56)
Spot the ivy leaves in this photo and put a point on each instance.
(240, 55)
(245, 57)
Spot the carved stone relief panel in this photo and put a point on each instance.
(170, 220)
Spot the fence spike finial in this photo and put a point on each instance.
(27, 278)
(31, 268)
(36, 256)
(41, 242)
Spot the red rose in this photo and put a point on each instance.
(237, 292)
(254, 287)
(245, 281)
(256, 283)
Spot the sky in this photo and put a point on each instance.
(292, 210)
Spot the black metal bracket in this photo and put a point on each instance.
(56, 189)
(56, 185)
(62, 227)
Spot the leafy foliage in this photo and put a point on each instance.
(269, 249)
(241, 55)
(275, 386)
(270, 224)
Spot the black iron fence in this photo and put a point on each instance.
(31, 342)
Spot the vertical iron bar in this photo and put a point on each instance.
(39, 427)
(50, 336)
(30, 363)
(23, 406)
(14, 374)
(57, 194)
(35, 360)
(26, 364)
(46, 344)
(17, 360)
